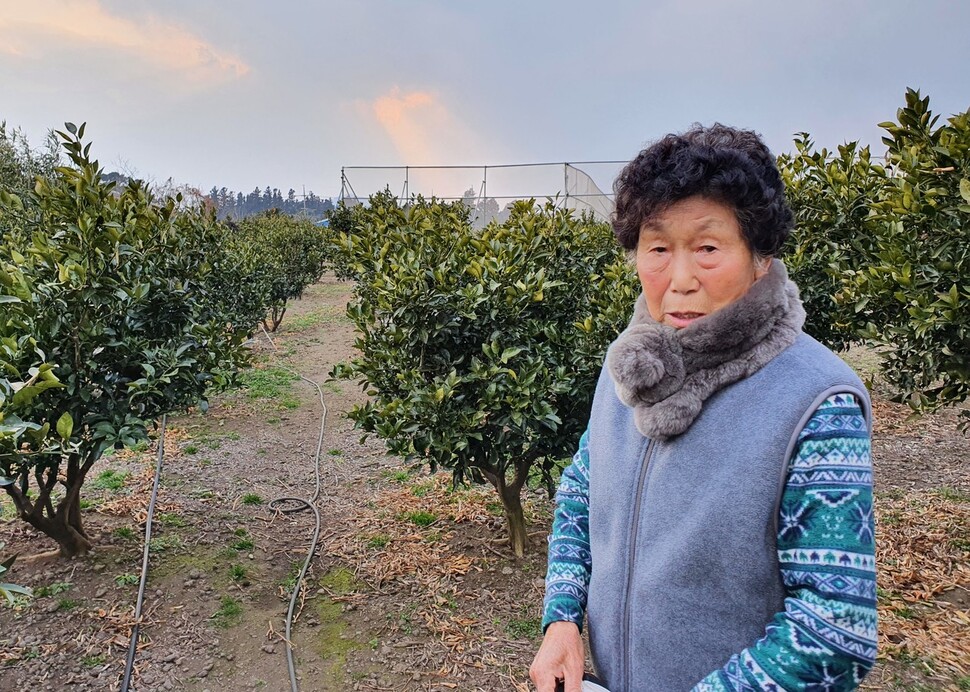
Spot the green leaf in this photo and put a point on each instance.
(65, 426)
(965, 189)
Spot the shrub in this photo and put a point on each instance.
(830, 195)
(918, 287)
(283, 255)
(110, 322)
(481, 349)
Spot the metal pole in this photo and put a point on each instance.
(484, 194)
(565, 184)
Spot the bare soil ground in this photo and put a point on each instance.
(412, 587)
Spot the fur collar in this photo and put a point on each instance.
(666, 374)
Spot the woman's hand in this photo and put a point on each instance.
(561, 657)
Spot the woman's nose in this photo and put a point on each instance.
(683, 274)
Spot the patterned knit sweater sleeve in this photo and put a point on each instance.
(826, 637)
(570, 564)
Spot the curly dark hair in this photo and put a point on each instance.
(721, 163)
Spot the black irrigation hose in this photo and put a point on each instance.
(299, 504)
(133, 644)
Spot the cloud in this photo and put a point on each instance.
(39, 28)
(423, 129)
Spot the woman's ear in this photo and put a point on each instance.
(761, 266)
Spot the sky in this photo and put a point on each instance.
(285, 94)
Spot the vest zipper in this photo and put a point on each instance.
(634, 526)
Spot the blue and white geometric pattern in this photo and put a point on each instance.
(570, 562)
(826, 638)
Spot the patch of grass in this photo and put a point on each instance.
(305, 321)
(110, 479)
(335, 452)
(421, 489)
(52, 589)
(67, 603)
(242, 544)
(891, 518)
(237, 572)
(960, 544)
(419, 517)
(190, 449)
(252, 499)
(339, 581)
(405, 618)
(31, 654)
(93, 661)
(86, 503)
(906, 613)
(314, 318)
(267, 383)
(953, 494)
(164, 543)
(530, 628)
(233, 436)
(333, 643)
(963, 683)
(495, 509)
(398, 476)
(201, 493)
(229, 612)
(378, 541)
(227, 554)
(289, 581)
(125, 532)
(171, 519)
(127, 579)
(272, 420)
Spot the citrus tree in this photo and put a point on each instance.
(917, 287)
(881, 252)
(284, 256)
(109, 321)
(481, 349)
(831, 194)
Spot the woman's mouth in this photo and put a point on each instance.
(682, 319)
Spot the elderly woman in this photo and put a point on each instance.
(715, 526)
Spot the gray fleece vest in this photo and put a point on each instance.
(683, 532)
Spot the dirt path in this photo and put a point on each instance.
(411, 587)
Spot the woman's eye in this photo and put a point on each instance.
(708, 249)
(659, 249)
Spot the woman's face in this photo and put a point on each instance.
(693, 260)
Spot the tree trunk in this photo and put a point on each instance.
(515, 517)
(63, 523)
(511, 496)
(70, 536)
(276, 317)
(78, 542)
